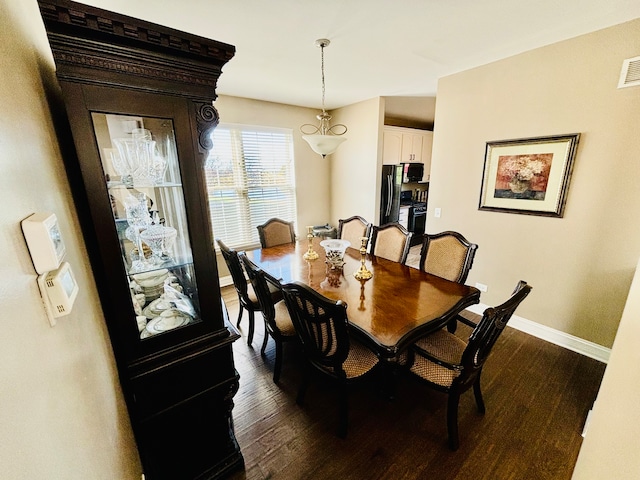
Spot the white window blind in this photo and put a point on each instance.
(250, 179)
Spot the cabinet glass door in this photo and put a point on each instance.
(140, 164)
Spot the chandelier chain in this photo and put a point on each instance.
(322, 70)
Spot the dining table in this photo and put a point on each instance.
(390, 311)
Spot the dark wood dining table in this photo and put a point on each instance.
(398, 305)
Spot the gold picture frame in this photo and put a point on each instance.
(528, 175)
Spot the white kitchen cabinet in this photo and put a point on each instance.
(427, 145)
(403, 216)
(391, 146)
(406, 145)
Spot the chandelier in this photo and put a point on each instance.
(323, 139)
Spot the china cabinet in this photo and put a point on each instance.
(138, 98)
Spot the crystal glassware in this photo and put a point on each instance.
(139, 158)
(138, 219)
(160, 239)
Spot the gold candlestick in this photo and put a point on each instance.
(310, 254)
(363, 273)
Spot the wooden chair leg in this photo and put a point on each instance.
(240, 316)
(478, 394)
(278, 363)
(452, 420)
(264, 340)
(252, 326)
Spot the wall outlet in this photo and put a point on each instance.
(437, 212)
(482, 287)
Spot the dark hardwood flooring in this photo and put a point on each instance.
(537, 397)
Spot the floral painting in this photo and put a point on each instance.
(523, 176)
(528, 175)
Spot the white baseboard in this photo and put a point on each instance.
(575, 344)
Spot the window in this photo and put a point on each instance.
(250, 179)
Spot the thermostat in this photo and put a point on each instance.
(59, 291)
(44, 241)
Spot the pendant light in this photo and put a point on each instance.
(323, 139)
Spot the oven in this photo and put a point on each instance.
(417, 219)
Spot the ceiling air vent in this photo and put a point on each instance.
(630, 74)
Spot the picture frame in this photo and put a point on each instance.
(528, 175)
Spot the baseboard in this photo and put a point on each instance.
(575, 344)
(226, 281)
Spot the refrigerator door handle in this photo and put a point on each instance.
(389, 195)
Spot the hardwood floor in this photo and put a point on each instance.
(537, 397)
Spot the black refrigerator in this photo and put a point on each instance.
(390, 196)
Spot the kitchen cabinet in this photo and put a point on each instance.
(403, 216)
(406, 145)
(139, 101)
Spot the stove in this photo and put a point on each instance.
(419, 207)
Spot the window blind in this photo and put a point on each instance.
(250, 179)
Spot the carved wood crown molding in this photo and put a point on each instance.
(102, 25)
(163, 71)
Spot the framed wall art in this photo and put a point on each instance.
(528, 175)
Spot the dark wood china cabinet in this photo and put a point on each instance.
(139, 100)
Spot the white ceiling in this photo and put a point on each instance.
(378, 47)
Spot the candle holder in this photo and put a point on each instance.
(363, 273)
(310, 254)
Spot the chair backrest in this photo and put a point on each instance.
(448, 255)
(321, 325)
(276, 232)
(235, 268)
(260, 282)
(391, 241)
(353, 229)
(487, 331)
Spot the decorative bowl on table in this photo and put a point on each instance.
(334, 250)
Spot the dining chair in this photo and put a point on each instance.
(276, 232)
(447, 363)
(246, 295)
(391, 241)
(353, 229)
(448, 255)
(277, 322)
(322, 327)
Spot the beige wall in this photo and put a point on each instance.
(410, 112)
(610, 447)
(581, 265)
(355, 182)
(62, 413)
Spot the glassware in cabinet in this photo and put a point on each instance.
(140, 165)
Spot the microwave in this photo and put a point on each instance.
(412, 172)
